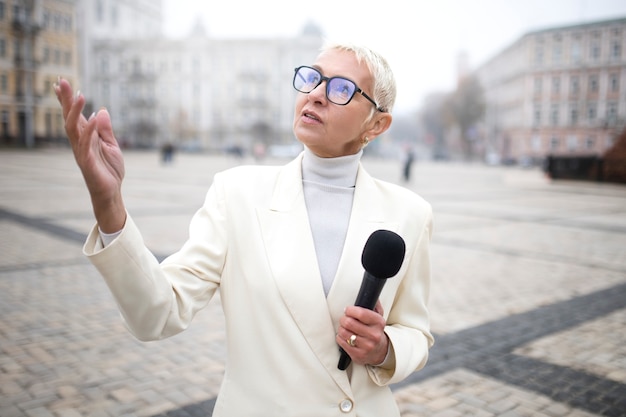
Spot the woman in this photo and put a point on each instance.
(283, 245)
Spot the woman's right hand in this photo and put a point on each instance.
(98, 156)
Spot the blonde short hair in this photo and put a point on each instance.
(384, 93)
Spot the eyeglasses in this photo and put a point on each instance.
(339, 90)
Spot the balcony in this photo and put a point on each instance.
(25, 26)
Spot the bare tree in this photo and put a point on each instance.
(466, 106)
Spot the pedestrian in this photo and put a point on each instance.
(409, 157)
(167, 153)
(283, 245)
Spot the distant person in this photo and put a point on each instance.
(167, 153)
(283, 245)
(409, 158)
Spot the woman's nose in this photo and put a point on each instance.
(319, 92)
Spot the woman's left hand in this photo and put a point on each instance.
(367, 329)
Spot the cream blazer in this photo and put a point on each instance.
(252, 240)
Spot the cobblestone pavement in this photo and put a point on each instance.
(528, 299)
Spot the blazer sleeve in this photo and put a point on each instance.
(160, 300)
(408, 325)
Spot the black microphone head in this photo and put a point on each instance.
(383, 254)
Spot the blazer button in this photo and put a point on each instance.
(346, 405)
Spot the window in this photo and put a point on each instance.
(614, 83)
(67, 20)
(594, 87)
(554, 143)
(611, 111)
(19, 14)
(573, 118)
(537, 115)
(47, 86)
(539, 55)
(4, 83)
(589, 142)
(554, 115)
(48, 122)
(556, 85)
(557, 53)
(46, 19)
(574, 85)
(104, 65)
(3, 47)
(594, 45)
(595, 51)
(592, 111)
(616, 50)
(4, 121)
(576, 52)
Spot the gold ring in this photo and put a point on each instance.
(352, 340)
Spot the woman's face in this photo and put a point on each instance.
(328, 129)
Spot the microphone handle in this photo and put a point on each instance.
(369, 292)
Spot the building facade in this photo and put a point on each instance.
(37, 45)
(200, 92)
(558, 91)
(112, 20)
(197, 92)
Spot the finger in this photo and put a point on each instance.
(342, 340)
(349, 326)
(364, 315)
(105, 127)
(379, 308)
(74, 119)
(89, 135)
(65, 95)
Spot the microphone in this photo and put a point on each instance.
(382, 258)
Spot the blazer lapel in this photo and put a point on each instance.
(368, 215)
(291, 253)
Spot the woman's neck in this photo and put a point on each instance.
(340, 171)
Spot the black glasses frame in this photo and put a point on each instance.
(328, 80)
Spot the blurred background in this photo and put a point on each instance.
(515, 82)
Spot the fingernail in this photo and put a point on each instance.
(77, 93)
(92, 115)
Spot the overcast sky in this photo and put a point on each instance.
(420, 38)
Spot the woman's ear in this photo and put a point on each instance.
(379, 124)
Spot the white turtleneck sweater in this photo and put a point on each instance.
(328, 192)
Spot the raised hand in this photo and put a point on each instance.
(98, 156)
